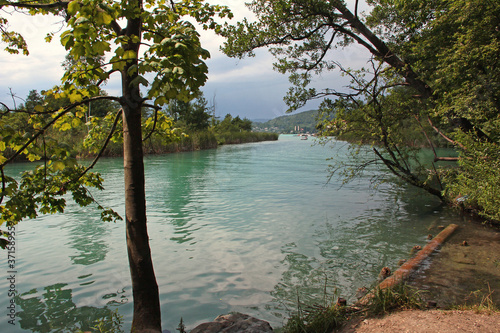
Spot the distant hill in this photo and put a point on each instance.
(259, 120)
(292, 123)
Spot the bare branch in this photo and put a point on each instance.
(407, 176)
(3, 185)
(7, 110)
(172, 4)
(13, 96)
(447, 159)
(444, 136)
(108, 139)
(436, 158)
(324, 52)
(154, 126)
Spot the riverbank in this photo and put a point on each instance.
(201, 140)
(431, 321)
(461, 281)
(437, 300)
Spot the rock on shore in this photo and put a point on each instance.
(232, 323)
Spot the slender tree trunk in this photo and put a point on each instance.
(147, 314)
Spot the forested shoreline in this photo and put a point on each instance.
(180, 127)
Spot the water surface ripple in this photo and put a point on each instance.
(240, 228)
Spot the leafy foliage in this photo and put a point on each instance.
(155, 50)
(236, 124)
(174, 55)
(193, 115)
(465, 75)
(474, 185)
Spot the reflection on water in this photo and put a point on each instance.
(88, 237)
(183, 176)
(306, 281)
(342, 255)
(245, 228)
(53, 310)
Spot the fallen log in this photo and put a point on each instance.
(403, 272)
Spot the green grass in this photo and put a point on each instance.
(391, 299)
(316, 319)
(327, 318)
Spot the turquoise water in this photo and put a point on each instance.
(241, 228)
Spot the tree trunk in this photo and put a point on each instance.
(147, 313)
(380, 49)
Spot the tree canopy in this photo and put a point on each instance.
(431, 80)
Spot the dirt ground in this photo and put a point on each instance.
(431, 321)
(465, 271)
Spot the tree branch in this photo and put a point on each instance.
(154, 126)
(50, 123)
(444, 136)
(407, 176)
(383, 50)
(324, 52)
(3, 185)
(38, 5)
(104, 146)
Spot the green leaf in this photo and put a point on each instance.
(65, 127)
(139, 80)
(100, 47)
(105, 18)
(129, 54)
(73, 7)
(58, 165)
(81, 20)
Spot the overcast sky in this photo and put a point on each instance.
(247, 88)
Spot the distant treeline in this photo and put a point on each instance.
(198, 140)
(89, 131)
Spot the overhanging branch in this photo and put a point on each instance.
(50, 123)
(103, 148)
(38, 5)
(154, 126)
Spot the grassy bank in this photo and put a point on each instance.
(330, 317)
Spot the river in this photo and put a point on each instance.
(246, 228)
